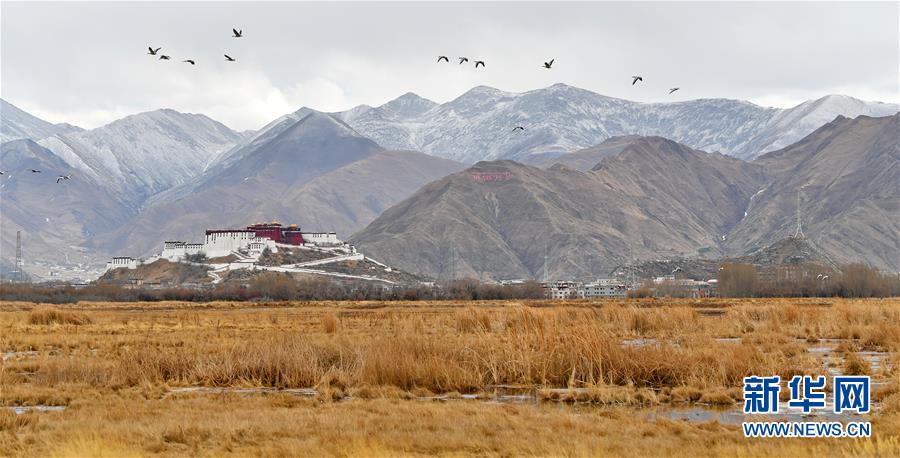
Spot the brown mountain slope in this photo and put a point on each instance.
(318, 173)
(352, 196)
(662, 197)
(586, 159)
(847, 176)
(785, 252)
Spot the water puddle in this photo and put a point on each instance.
(640, 342)
(876, 359)
(19, 410)
(834, 362)
(495, 398)
(502, 394)
(735, 415)
(17, 355)
(300, 392)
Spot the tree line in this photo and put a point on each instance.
(734, 280)
(271, 286)
(806, 280)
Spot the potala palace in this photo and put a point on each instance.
(249, 242)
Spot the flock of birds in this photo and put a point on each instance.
(462, 60)
(35, 171)
(239, 33)
(547, 65)
(236, 33)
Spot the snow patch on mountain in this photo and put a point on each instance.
(16, 124)
(478, 124)
(146, 153)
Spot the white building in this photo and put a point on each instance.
(177, 251)
(563, 290)
(605, 287)
(602, 288)
(321, 238)
(222, 243)
(119, 262)
(218, 244)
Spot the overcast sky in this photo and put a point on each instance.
(86, 63)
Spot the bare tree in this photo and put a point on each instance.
(738, 280)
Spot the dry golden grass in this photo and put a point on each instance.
(53, 315)
(854, 365)
(329, 323)
(116, 368)
(129, 425)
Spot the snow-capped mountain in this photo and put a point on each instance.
(478, 124)
(256, 139)
(143, 154)
(788, 126)
(16, 123)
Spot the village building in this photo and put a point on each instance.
(602, 288)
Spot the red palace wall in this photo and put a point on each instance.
(274, 231)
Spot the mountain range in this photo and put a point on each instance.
(559, 119)
(141, 155)
(168, 175)
(655, 198)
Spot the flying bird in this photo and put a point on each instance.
(153, 51)
(443, 58)
(549, 64)
(63, 177)
(164, 57)
(34, 171)
(237, 33)
(635, 79)
(673, 89)
(229, 58)
(463, 59)
(2, 172)
(190, 61)
(518, 128)
(479, 62)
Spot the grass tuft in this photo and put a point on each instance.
(44, 315)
